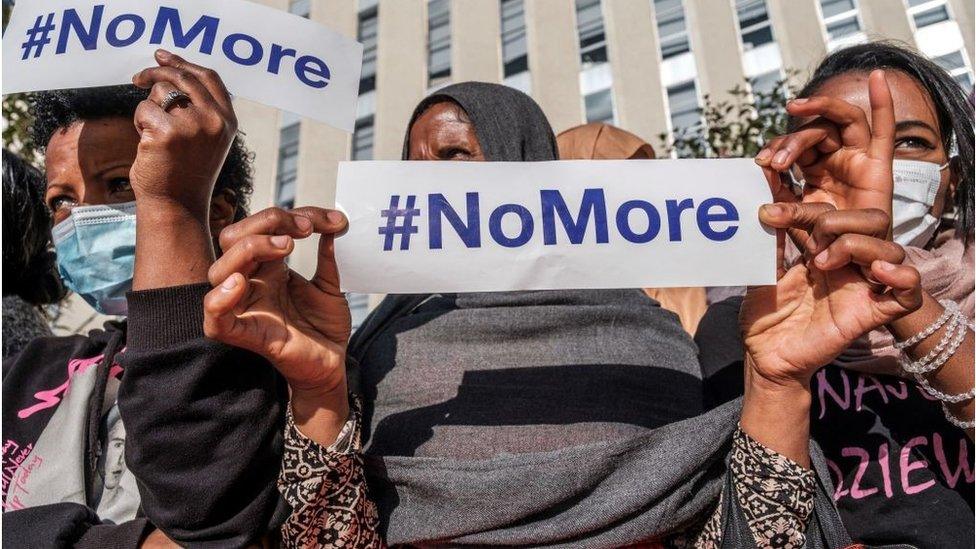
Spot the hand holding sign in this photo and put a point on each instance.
(182, 145)
(818, 309)
(845, 161)
(301, 326)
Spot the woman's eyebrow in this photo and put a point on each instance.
(110, 167)
(909, 124)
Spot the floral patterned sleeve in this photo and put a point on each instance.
(775, 495)
(326, 489)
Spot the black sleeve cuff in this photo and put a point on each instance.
(162, 317)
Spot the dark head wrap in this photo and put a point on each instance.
(510, 125)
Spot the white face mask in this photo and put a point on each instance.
(916, 186)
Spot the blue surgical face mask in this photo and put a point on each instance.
(96, 249)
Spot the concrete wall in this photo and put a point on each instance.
(714, 35)
(554, 60)
(638, 93)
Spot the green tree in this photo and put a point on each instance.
(16, 119)
(735, 127)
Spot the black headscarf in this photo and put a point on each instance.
(510, 125)
(513, 418)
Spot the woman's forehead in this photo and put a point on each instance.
(92, 145)
(910, 99)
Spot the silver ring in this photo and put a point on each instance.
(172, 98)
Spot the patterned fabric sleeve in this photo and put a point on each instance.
(326, 489)
(774, 492)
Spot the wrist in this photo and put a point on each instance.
(320, 414)
(171, 212)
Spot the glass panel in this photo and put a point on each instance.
(358, 308)
(589, 25)
(438, 40)
(754, 24)
(831, 8)
(514, 51)
(765, 83)
(300, 7)
(842, 28)
(931, 17)
(287, 166)
(599, 106)
(950, 61)
(362, 140)
(683, 103)
(671, 29)
(366, 34)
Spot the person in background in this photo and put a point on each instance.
(30, 276)
(600, 141)
(893, 412)
(201, 444)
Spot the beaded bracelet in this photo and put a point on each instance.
(956, 421)
(950, 308)
(944, 397)
(955, 334)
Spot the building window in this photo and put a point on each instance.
(300, 7)
(955, 64)
(287, 166)
(366, 34)
(840, 18)
(589, 26)
(515, 55)
(671, 29)
(683, 104)
(754, 25)
(928, 12)
(438, 41)
(358, 308)
(362, 139)
(599, 106)
(766, 82)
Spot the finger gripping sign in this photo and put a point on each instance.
(261, 53)
(425, 227)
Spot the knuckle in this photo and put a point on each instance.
(274, 215)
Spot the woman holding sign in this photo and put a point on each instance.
(893, 412)
(473, 436)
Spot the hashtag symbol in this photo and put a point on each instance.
(406, 228)
(38, 36)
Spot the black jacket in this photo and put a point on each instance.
(203, 426)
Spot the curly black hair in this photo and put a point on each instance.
(952, 106)
(58, 109)
(29, 267)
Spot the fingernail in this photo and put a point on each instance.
(229, 284)
(335, 216)
(885, 266)
(773, 210)
(764, 155)
(163, 54)
(800, 100)
(811, 244)
(822, 257)
(781, 157)
(280, 241)
(304, 223)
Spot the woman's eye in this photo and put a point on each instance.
(61, 202)
(119, 185)
(913, 143)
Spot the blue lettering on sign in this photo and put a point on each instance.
(239, 47)
(470, 233)
(400, 222)
(87, 37)
(171, 17)
(593, 203)
(623, 221)
(112, 34)
(705, 219)
(525, 232)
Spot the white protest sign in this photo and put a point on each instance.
(261, 53)
(427, 227)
